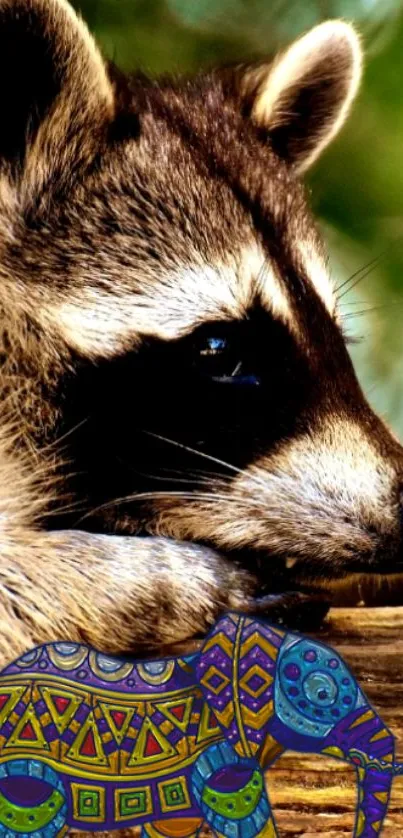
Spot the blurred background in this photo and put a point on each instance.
(357, 186)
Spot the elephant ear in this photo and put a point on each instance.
(235, 671)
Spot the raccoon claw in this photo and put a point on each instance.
(292, 609)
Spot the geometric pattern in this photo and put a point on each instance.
(177, 712)
(236, 672)
(314, 689)
(87, 746)
(363, 739)
(88, 803)
(28, 732)
(151, 745)
(118, 719)
(240, 803)
(133, 802)
(208, 725)
(168, 742)
(214, 680)
(45, 816)
(8, 700)
(255, 681)
(174, 795)
(62, 706)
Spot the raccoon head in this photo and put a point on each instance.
(173, 298)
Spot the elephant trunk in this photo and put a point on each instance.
(374, 785)
(363, 740)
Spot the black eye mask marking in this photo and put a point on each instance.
(230, 390)
(232, 387)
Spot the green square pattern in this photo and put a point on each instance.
(174, 794)
(133, 803)
(88, 802)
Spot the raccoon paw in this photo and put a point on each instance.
(303, 611)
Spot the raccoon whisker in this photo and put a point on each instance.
(360, 313)
(55, 443)
(193, 451)
(209, 496)
(202, 454)
(74, 506)
(197, 474)
(394, 302)
(357, 273)
(357, 281)
(350, 303)
(353, 339)
(200, 473)
(371, 264)
(235, 500)
(207, 481)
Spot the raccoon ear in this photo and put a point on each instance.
(303, 98)
(55, 95)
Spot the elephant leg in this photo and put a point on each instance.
(231, 794)
(259, 824)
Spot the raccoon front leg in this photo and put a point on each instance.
(120, 594)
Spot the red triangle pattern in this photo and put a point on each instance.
(152, 747)
(28, 732)
(118, 718)
(3, 700)
(61, 703)
(88, 748)
(178, 711)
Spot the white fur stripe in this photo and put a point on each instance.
(317, 274)
(100, 324)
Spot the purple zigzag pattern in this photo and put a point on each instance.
(236, 672)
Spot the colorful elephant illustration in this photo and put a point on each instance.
(95, 742)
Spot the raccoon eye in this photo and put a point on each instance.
(220, 359)
(213, 346)
(215, 357)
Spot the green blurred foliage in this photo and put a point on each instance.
(357, 186)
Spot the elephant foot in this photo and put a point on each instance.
(175, 828)
(231, 794)
(46, 815)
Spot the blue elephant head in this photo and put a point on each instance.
(271, 690)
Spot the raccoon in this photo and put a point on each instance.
(182, 428)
